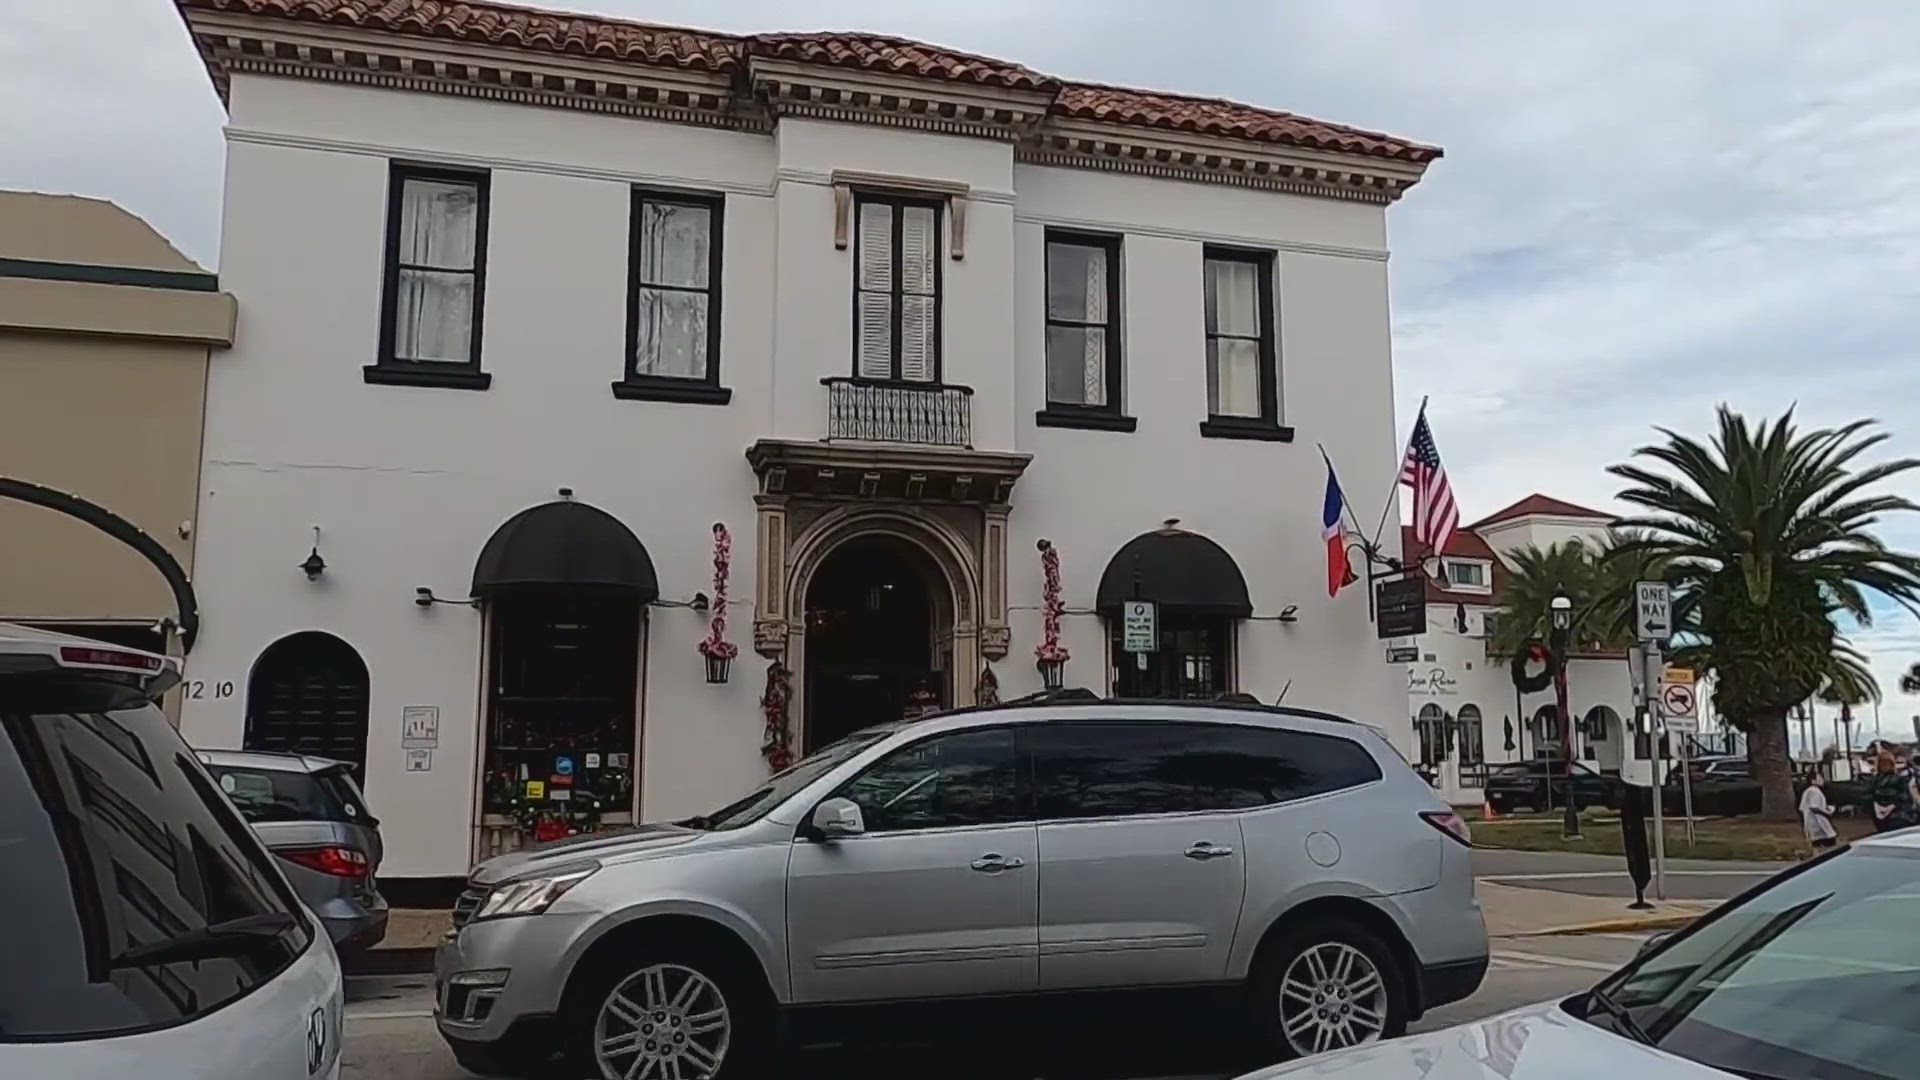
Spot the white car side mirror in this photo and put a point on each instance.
(838, 818)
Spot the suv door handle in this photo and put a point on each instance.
(1204, 851)
(994, 863)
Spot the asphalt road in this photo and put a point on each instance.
(390, 1030)
(1606, 875)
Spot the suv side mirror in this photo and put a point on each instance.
(838, 818)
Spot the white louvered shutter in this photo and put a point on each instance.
(875, 295)
(919, 329)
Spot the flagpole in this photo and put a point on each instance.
(1345, 510)
(1393, 492)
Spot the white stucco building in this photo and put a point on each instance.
(1464, 707)
(529, 303)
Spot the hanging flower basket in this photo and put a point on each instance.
(719, 652)
(1050, 657)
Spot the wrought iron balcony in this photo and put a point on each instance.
(872, 410)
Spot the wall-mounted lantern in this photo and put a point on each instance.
(313, 565)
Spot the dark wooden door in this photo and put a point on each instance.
(308, 694)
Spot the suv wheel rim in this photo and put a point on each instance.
(663, 1022)
(1332, 997)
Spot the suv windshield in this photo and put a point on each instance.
(745, 811)
(135, 898)
(262, 794)
(1815, 976)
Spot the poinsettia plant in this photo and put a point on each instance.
(715, 646)
(1050, 651)
(778, 747)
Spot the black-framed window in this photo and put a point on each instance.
(434, 279)
(1084, 335)
(1194, 660)
(1472, 740)
(673, 298)
(1243, 377)
(896, 288)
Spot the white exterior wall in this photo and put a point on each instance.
(406, 483)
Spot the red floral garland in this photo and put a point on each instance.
(778, 749)
(715, 645)
(1051, 608)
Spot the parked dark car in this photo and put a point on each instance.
(1524, 785)
(1725, 787)
(310, 813)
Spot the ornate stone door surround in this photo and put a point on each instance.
(950, 503)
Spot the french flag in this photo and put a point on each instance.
(1339, 573)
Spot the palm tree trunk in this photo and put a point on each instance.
(1767, 749)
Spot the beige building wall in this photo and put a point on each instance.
(105, 337)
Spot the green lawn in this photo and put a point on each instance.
(1714, 838)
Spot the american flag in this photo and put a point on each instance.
(1435, 514)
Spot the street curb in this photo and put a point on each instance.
(1618, 926)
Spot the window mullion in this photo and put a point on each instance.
(898, 286)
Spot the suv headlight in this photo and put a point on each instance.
(532, 895)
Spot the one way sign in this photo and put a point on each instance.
(1652, 610)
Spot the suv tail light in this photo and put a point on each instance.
(343, 862)
(1450, 823)
(87, 656)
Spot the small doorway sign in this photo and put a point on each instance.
(1139, 626)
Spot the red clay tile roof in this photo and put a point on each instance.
(1540, 504)
(623, 40)
(506, 24)
(1466, 545)
(1215, 116)
(898, 56)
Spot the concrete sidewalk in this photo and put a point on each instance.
(1510, 912)
(1516, 912)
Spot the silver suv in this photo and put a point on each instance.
(1005, 852)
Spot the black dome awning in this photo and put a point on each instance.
(565, 543)
(1182, 572)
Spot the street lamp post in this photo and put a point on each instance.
(1562, 630)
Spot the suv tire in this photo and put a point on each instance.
(1327, 987)
(677, 1001)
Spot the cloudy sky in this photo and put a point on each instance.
(1646, 208)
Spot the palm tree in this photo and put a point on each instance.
(1766, 532)
(1597, 576)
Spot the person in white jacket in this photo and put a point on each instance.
(1816, 816)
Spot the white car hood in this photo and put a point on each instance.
(1539, 1042)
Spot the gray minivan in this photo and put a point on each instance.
(310, 813)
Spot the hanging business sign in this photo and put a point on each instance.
(1139, 630)
(1400, 607)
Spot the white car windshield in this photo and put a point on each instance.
(1819, 975)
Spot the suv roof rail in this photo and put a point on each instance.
(1080, 695)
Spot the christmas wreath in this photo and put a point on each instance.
(1533, 653)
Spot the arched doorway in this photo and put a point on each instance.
(1431, 727)
(565, 587)
(308, 694)
(1606, 739)
(873, 615)
(1545, 729)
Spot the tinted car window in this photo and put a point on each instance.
(281, 795)
(964, 778)
(1089, 770)
(119, 852)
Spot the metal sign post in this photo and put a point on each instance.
(1680, 701)
(1650, 655)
